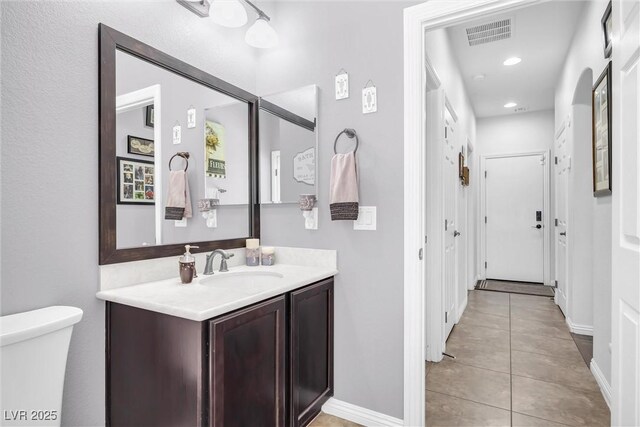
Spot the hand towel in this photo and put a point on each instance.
(178, 197)
(343, 188)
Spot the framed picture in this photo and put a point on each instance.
(601, 97)
(136, 181)
(140, 146)
(148, 116)
(607, 28)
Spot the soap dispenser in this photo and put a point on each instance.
(187, 263)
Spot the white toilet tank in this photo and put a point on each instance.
(33, 358)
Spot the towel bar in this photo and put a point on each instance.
(182, 154)
(351, 133)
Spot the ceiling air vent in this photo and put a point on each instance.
(490, 32)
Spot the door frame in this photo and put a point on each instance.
(417, 19)
(151, 95)
(546, 213)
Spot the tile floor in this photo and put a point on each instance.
(326, 420)
(516, 365)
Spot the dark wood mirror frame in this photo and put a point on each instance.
(111, 40)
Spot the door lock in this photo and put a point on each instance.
(538, 226)
(456, 233)
(564, 233)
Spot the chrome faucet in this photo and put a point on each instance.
(208, 269)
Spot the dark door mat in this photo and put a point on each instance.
(515, 288)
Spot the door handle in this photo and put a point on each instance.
(456, 233)
(564, 233)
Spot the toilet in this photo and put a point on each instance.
(33, 358)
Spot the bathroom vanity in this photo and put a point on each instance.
(244, 348)
(248, 347)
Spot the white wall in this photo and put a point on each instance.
(441, 57)
(586, 51)
(516, 133)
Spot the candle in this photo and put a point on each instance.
(268, 250)
(253, 243)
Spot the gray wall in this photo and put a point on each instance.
(317, 39)
(49, 165)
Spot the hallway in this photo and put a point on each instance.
(515, 364)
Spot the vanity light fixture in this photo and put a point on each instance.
(228, 13)
(261, 34)
(510, 105)
(232, 14)
(512, 61)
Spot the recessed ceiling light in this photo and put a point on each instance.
(510, 105)
(479, 77)
(512, 61)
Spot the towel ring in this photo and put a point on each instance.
(351, 133)
(184, 155)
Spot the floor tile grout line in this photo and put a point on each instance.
(540, 418)
(597, 390)
(479, 367)
(469, 400)
(555, 356)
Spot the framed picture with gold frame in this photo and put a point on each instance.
(601, 145)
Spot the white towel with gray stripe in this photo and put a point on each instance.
(343, 188)
(178, 197)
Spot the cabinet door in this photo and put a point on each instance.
(247, 366)
(311, 351)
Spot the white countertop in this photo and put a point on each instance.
(204, 298)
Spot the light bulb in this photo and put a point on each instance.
(512, 61)
(510, 105)
(228, 13)
(261, 35)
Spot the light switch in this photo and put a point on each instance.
(366, 218)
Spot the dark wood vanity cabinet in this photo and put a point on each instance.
(247, 366)
(311, 351)
(269, 364)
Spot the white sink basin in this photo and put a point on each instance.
(252, 281)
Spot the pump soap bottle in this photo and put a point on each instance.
(187, 263)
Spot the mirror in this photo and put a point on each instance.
(177, 149)
(288, 145)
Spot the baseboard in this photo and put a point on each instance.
(358, 415)
(605, 388)
(579, 329)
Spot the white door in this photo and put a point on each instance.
(625, 358)
(514, 200)
(562, 167)
(275, 176)
(450, 177)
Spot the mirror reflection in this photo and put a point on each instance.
(288, 145)
(160, 116)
